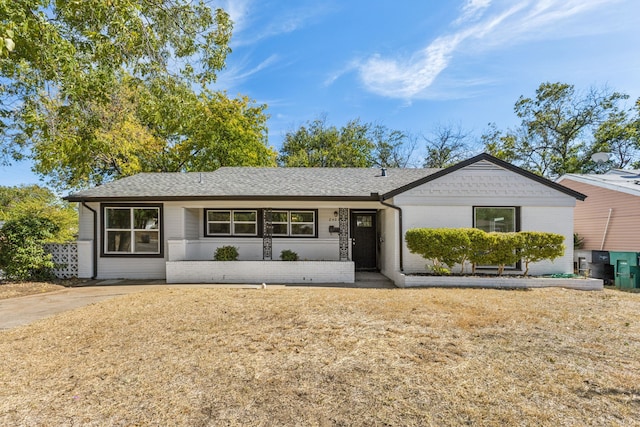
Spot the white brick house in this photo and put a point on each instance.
(167, 225)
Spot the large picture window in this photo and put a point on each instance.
(131, 230)
(500, 219)
(231, 222)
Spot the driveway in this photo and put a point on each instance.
(24, 310)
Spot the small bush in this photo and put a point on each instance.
(479, 248)
(226, 253)
(22, 255)
(536, 246)
(504, 249)
(288, 255)
(448, 246)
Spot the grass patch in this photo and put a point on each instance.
(19, 289)
(329, 357)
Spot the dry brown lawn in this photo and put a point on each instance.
(19, 289)
(324, 357)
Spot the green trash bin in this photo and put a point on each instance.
(626, 269)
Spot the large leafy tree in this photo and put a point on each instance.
(319, 145)
(93, 90)
(28, 201)
(556, 134)
(356, 144)
(619, 135)
(157, 125)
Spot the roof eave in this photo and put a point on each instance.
(80, 199)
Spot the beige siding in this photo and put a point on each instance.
(591, 216)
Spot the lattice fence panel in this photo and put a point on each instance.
(65, 256)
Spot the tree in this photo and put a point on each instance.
(320, 145)
(40, 202)
(446, 146)
(392, 148)
(157, 125)
(618, 135)
(556, 132)
(95, 90)
(22, 254)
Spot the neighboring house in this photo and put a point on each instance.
(609, 219)
(164, 225)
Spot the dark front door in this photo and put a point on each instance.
(363, 235)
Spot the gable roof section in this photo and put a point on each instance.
(248, 183)
(495, 161)
(623, 181)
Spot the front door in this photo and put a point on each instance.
(363, 240)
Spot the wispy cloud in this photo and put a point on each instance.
(252, 28)
(241, 71)
(486, 24)
(472, 10)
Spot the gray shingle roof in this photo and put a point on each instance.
(245, 182)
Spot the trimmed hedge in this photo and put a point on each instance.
(446, 247)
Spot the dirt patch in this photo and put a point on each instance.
(12, 290)
(329, 357)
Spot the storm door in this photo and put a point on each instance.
(363, 239)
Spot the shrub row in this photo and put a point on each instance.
(230, 253)
(446, 247)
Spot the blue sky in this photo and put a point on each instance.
(414, 65)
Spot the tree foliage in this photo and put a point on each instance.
(356, 144)
(392, 148)
(319, 145)
(446, 146)
(149, 126)
(22, 255)
(40, 202)
(94, 90)
(559, 129)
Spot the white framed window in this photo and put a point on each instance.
(303, 223)
(291, 223)
(280, 221)
(495, 218)
(500, 219)
(131, 230)
(230, 222)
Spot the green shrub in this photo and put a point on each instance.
(447, 246)
(22, 255)
(504, 249)
(288, 255)
(226, 253)
(537, 246)
(479, 252)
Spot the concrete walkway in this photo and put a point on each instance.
(24, 310)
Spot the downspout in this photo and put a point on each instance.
(606, 228)
(95, 240)
(382, 202)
